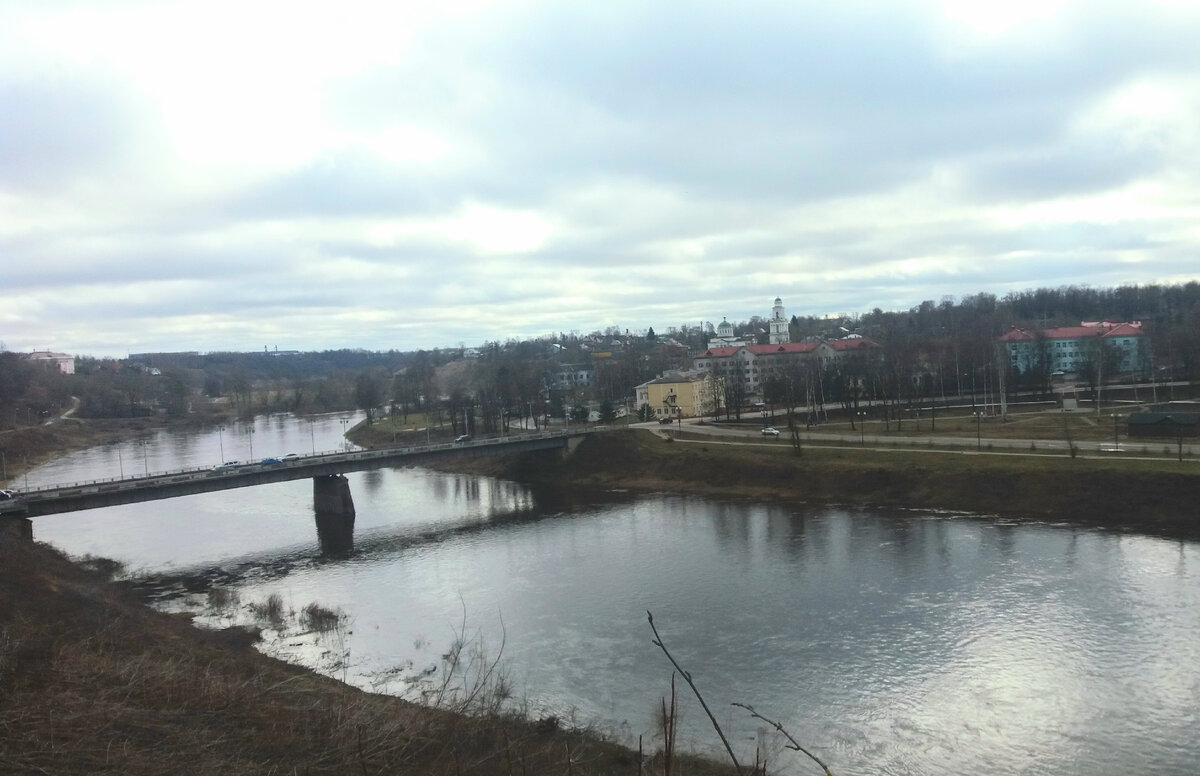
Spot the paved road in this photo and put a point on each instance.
(1144, 449)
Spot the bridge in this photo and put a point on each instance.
(331, 492)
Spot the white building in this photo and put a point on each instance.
(65, 363)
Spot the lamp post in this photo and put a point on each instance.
(145, 457)
(312, 435)
(221, 441)
(1116, 421)
(862, 428)
(978, 437)
(345, 423)
(251, 438)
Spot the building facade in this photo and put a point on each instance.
(63, 362)
(1070, 349)
(681, 395)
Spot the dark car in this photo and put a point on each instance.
(666, 420)
(6, 494)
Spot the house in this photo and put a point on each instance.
(574, 377)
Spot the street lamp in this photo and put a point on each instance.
(862, 428)
(146, 457)
(221, 441)
(345, 422)
(978, 438)
(312, 435)
(251, 438)
(1116, 421)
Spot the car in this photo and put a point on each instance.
(6, 494)
(290, 457)
(770, 431)
(222, 467)
(463, 438)
(666, 421)
(270, 462)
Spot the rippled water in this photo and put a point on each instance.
(891, 643)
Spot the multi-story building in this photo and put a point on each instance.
(63, 362)
(755, 364)
(681, 395)
(1069, 349)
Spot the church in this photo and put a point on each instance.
(778, 333)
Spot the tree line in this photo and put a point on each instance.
(930, 350)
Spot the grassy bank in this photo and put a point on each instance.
(93, 682)
(1155, 497)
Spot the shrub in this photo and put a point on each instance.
(317, 618)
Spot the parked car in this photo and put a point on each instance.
(666, 421)
(463, 438)
(770, 431)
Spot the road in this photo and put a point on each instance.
(1142, 449)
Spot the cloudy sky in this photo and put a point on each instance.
(233, 174)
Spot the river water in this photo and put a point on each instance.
(885, 642)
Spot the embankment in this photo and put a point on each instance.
(94, 682)
(1154, 497)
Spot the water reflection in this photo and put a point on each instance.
(335, 534)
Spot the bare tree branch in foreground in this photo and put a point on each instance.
(795, 745)
(657, 641)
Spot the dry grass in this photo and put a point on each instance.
(92, 682)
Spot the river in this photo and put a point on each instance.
(885, 642)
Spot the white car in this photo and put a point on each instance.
(770, 431)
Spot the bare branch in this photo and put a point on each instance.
(795, 745)
(657, 641)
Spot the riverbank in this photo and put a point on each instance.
(1152, 497)
(94, 682)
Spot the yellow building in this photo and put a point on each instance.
(682, 395)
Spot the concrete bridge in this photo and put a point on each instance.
(331, 491)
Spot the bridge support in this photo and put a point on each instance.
(16, 527)
(572, 443)
(331, 493)
(334, 509)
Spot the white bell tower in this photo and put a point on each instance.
(779, 324)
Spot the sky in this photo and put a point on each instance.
(234, 174)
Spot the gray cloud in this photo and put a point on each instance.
(687, 162)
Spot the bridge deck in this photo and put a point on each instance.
(72, 497)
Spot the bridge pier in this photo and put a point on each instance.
(331, 493)
(16, 527)
(334, 509)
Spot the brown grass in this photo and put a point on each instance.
(92, 682)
